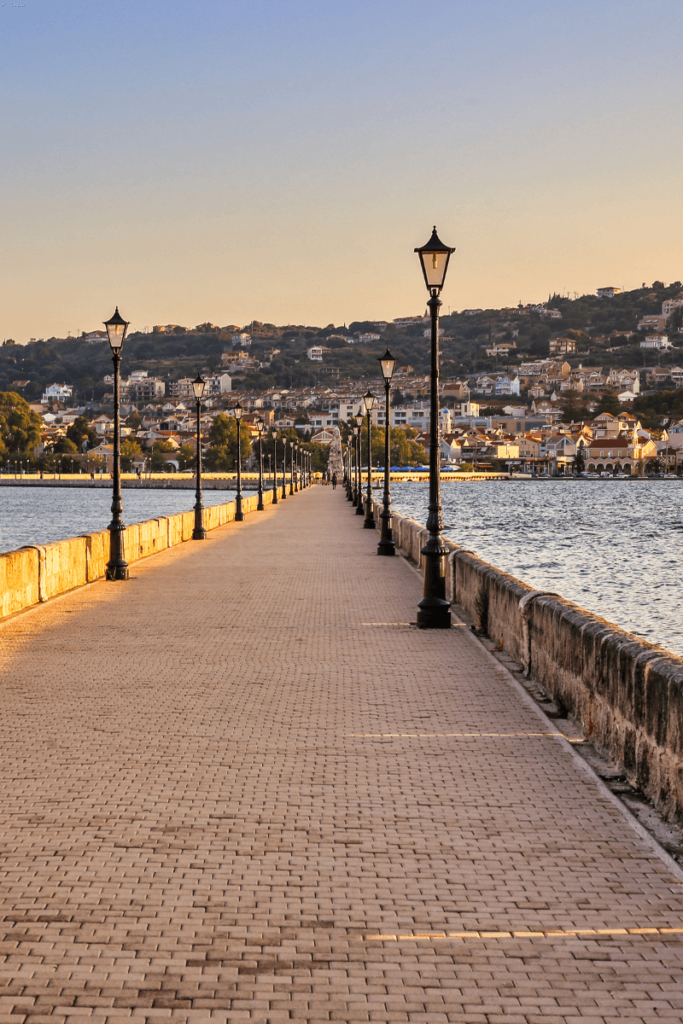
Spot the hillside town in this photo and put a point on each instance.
(562, 412)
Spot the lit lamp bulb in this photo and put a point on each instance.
(435, 261)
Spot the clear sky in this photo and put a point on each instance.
(224, 161)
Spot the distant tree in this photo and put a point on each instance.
(572, 411)
(579, 462)
(403, 451)
(221, 455)
(64, 446)
(608, 403)
(186, 456)
(134, 420)
(220, 429)
(159, 449)
(20, 427)
(129, 448)
(81, 429)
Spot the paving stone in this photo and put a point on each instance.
(242, 787)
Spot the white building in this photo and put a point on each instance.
(58, 392)
(507, 386)
(144, 388)
(323, 421)
(218, 384)
(315, 354)
(416, 416)
(658, 341)
(607, 293)
(241, 339)
(466, 409)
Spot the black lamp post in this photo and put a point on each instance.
(434, 610)
(369, 521)
(199, 533)
(284, 468)
(260, 426)
(273, 434)
(386, 544)
(237, 413)
(354, 466)
(359, 474)
(291, 467)
(347, 470)
(117, 566)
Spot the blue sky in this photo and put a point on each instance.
(224, 161)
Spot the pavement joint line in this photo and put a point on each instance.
(545, 933)
(452, 735)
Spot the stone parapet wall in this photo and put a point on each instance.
(626, 694)
(39, 572)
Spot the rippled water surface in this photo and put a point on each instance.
(38, 515)
(614, 547)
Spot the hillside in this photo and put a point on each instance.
(589, 320)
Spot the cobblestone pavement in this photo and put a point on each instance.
(242, 787)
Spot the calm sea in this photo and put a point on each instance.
(38, 515)
(614, 547)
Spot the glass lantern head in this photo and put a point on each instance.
(434, 257)
(198, 385)
(116, 331)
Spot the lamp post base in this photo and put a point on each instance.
(199, 533)
(386, 547)
(239, 514)
(434, 610)
(386, 544)
(359, 508)
(117, 566)
(434, 613)
(117, 571)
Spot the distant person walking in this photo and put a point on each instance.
(334, 481)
